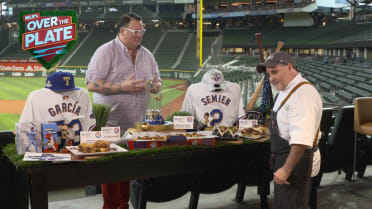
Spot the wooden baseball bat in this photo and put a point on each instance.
(254, 98)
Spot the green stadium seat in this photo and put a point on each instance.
(358, 92)
(356, 78)
(364, 86)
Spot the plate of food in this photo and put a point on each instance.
(252, 133)
(98, 148)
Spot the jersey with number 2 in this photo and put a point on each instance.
(223, 107)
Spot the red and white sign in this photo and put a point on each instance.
(20, 66)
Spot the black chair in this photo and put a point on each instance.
(338, 150)
(326, 123)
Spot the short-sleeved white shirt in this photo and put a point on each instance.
(299, 118)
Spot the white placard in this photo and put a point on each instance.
(183, 122)
(111, 134)
(247, 123)
(90, 136)
(33, 156)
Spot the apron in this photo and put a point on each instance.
(296, 194)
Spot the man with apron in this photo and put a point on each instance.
(294, 129)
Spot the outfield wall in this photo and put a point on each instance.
(80, 71)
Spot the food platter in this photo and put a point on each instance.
(250, 136)
(113, 149)
(165, 136)
(252, 132)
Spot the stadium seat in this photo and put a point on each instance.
(363, 127)
(364, 86)
(358, 92)
(326, 123)
(337, 150)
(356, 78)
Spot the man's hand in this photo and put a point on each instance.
(131, 85)
(156, 85)
(281, 176)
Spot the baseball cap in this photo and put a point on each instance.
(275, 59)
(214, 80)
(60, 81)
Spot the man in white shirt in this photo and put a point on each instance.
(294, 131)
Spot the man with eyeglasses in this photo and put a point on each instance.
(116, 74)
(294, 132)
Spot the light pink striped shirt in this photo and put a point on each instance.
(112, 62)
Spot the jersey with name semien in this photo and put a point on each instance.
(223, 107)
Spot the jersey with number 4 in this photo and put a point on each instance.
(224, 108)
(71, 108)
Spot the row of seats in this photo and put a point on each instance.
(303, 37)
(344, 82)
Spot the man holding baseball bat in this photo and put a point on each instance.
(294, 129)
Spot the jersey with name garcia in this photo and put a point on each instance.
(221, 108)
(71, 108)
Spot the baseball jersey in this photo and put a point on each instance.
(224, 107)
(72, 108)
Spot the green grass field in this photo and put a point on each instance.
(18, 88)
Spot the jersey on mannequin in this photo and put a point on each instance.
(216, 98)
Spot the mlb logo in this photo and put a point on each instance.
(65, 97)
(98, 134)
(189, 119)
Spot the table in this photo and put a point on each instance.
(36, 181)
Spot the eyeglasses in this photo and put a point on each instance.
(136, 32)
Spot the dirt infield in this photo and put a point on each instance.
(12, 106)
(16, 106)
(176, 104)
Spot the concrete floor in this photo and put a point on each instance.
(334, 193)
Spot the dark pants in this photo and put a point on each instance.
(115, 195)
(294, 195)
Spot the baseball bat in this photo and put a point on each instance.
(254, 98)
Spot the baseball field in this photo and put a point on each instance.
(14, 92)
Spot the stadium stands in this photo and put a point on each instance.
(189, 61)
(4, 40)
(333, 35)
(115, 15)
(151, 38)
(337, 82)
(170, 49)
(85, 52)
(171, 11)
(90, 14)
(145, 11)
(15, 52)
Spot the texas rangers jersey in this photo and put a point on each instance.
(222, 108)
(72, 108)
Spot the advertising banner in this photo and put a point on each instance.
(48, 35)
